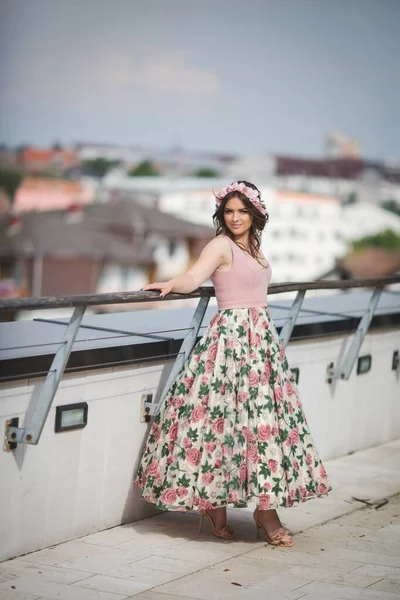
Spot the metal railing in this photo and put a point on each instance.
(30, 434)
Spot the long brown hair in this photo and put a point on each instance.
(258, 221)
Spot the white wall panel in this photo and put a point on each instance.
(78, 482)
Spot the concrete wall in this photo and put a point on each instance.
(75, 483)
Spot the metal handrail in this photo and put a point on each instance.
(38, 303)
(30, 433)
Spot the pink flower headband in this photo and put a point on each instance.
(249, 192)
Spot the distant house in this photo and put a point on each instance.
(53, 253)
(175, 242)
(37, 160)
(96, 248)
(41, 194)
(347, 179)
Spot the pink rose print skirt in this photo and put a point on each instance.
(232, 430)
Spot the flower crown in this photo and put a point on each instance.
(250, 193)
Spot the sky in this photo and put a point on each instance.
(236, 76)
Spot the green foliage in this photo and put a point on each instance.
(391, 206)
(192, 434)
(387, 239)
(209, 436)
(181, 389)
(144, 169)
(351, 199)
(203, 390)
(207, 467)
(10, 180)
(229, 441)
(206, 172)
(184, 481)
(98, 167)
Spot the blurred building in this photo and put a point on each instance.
(348, 179)
(309, 234)
(97, 248)
(51, 254)
(341, 145)
(172, 162)
(39, 160)
(306, 235)
(189, 198)
(43, 194)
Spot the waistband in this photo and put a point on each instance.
(245, 304)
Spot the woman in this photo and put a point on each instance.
(233, 429)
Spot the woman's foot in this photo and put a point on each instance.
(275, 533)
(217, 518)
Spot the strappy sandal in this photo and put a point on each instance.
(284, 540)
(226, 534)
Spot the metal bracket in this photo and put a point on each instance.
(287, 329)
(187, 346)
(344, 370)
(148, 408)
(30, 434)
(9, 446)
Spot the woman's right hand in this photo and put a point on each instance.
(164, 287)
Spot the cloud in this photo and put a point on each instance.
(124, 77)
(174, 76)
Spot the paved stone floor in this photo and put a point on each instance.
(344, 548)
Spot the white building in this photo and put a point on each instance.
(348, 179)
(304, 237)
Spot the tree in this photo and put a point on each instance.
(387, 239)
(392, 206)
(206, 172)
(10, 180)
(144, 169)
(351, 199)
(98, 167)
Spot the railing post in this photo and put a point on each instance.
(344, 370)
(287, 329)
(30, 434)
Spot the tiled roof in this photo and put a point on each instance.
(137, 217)
(51, 234)
(343, 168)
(29, 155)
(50, 194)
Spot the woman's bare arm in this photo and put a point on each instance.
(212, 256)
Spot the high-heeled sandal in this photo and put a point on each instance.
(225, 535)
(284, 540)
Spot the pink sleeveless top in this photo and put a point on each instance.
(245, 284)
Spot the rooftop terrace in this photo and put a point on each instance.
(346, 546)
(67, 493)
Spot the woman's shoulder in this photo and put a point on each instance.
(220, 242)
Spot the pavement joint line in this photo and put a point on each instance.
(243, 554)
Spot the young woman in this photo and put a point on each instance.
(233, 429)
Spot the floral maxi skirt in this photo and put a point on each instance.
(232, 429)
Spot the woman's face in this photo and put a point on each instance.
(237, 216)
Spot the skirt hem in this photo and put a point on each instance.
(272, 506)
